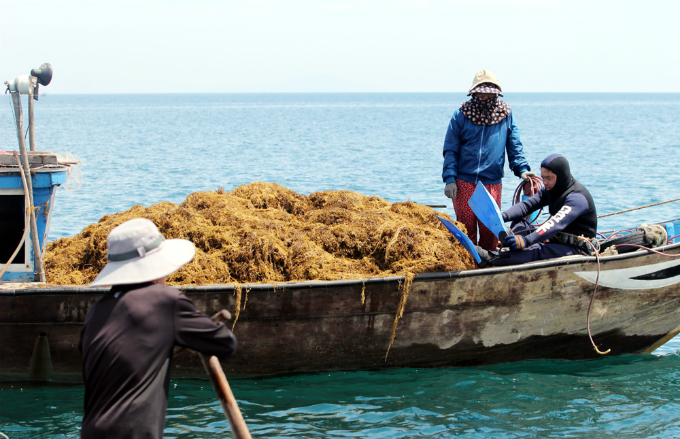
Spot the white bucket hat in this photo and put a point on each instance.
(139, 253)
(485, 76)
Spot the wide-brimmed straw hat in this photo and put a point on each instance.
(139, 253)
(485, 82)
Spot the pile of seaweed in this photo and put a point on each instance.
(263, 232)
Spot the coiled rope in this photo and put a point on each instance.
(529, 188)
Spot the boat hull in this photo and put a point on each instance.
(466, 318)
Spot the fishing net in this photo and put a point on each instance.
(263, 232)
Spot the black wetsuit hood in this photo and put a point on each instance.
(565, 184)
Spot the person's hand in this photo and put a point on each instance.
(515, 242)
(526, 174)
(451, 190)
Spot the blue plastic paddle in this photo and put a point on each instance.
(486, 209)
(462, 238)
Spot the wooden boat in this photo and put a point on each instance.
(462, 318)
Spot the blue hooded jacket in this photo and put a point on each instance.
(475, 153)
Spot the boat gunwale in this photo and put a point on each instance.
(424, 277)
(42, 169)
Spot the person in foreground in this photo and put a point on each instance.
(572, 213)
(128, 336)
(480, 132)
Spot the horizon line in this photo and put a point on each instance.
(45, 93)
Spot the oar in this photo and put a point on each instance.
(221, 385)
(226, 397)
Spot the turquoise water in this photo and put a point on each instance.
(623, 397)
(142, 149)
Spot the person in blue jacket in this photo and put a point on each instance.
(479, 135)
(573, 217)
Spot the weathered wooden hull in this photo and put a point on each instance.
(466, 318)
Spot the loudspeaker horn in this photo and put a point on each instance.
(44, 74)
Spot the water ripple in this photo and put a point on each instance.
(143, 149)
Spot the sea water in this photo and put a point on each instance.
(143, 149)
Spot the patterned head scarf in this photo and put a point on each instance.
(485, 111)
(486, 87)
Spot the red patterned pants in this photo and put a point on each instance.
(487, 240)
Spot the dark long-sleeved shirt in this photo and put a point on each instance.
(575, 205)
(126, 343)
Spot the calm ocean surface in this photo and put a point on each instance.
(143, 149)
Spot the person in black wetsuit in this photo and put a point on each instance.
(572, 213)
(128, 336)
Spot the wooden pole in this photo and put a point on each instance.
(19, 119)
(226, 397)
(39, 270)
(221, 385)
(31, 131)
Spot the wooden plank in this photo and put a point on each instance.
(35, 158)
(44, 157)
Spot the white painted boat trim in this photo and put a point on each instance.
(629, 278)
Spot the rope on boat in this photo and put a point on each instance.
(638, 208)
(597, 279)
(649, 250)
(592, 298)
(670, 240)
(3, 435)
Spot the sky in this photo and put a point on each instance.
(201, 46)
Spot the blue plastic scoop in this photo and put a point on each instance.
(486, 209)
(462, 238)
